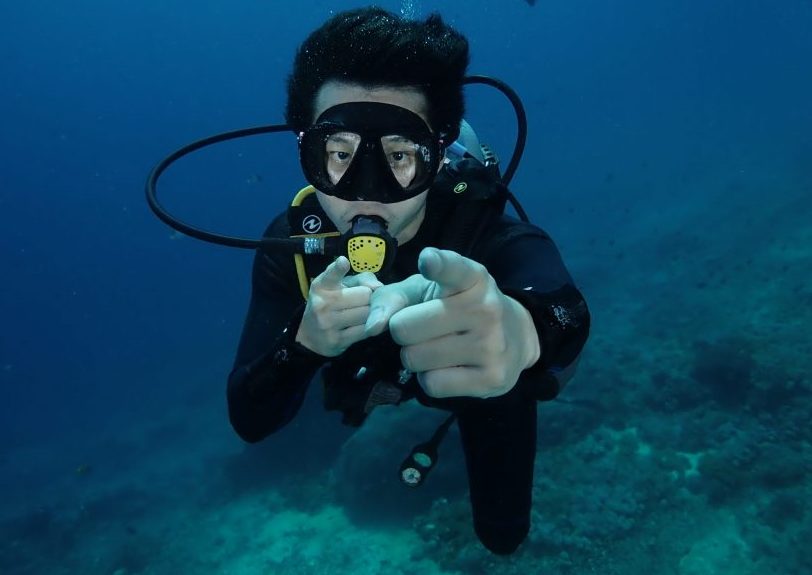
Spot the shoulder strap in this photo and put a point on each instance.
(468, 199)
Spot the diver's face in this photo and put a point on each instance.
(403, 218)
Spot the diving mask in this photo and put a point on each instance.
(370, 151)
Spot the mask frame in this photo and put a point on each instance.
(369, 177)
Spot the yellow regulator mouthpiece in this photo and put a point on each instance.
(366, 253)
(370, 248)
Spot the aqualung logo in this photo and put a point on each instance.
(311, 224)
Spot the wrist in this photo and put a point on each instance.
(286, 363)
(561, 320)
(530, 344)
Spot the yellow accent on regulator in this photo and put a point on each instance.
(298, 259)
(366, 253)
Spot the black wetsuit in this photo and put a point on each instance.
(272, 372)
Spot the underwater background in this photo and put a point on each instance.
(670, 157)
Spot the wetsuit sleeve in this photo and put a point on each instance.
(271, 372)
(527, 266)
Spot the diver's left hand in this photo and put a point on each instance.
(460, 334)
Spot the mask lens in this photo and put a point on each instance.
(339, 150)
(405, 158)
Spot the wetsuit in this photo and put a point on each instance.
(271, 373)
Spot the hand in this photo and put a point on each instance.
(459, 332)
(337, 309)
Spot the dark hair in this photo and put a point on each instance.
(373, 47)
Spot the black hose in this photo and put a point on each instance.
(521, 121)
(189, 230)
(295, 244)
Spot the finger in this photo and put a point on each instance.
(452, 382)
(330, 278)
(351, 335)
(460, 381)
(448, 351)
(366, 279)
(426, 321)
(353, 297)
(352, 317)
(452, 272)
(389, 299)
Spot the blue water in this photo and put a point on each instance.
(669, 155)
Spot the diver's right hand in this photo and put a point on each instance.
(337, 309)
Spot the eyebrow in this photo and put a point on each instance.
(397, 138)
(341, 138)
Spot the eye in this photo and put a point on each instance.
(340, 147)
(339, 151)
(401, 159)
(339, 156)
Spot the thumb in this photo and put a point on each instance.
(451, 272)
(386, 301)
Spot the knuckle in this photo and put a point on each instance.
(318, 308)
(428, 383)
(367, 291)
(481, 270)
(318, 283)
(368, 279)
(491, 382)
(319, 300)
(497, 376)
(406, 359)
(323, 319)
(330, 337)
(377, 296)
(490, 314)
(489, 347)
(397, 330)
(492, 305)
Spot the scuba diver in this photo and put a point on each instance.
(410, 281)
